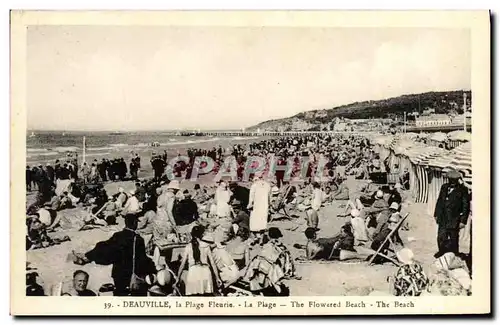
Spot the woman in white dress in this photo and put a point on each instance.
(222, 197)
(259, 199)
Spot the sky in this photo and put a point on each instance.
(123, 78)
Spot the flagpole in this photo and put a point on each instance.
(83, 150)
(465, 111)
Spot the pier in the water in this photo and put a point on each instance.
(261, 133)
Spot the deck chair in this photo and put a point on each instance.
(392, 246)
(281, 205)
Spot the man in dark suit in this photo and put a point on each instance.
(119, 251)
(451, 213)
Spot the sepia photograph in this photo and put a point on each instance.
(214, 163)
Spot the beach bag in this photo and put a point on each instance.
(136, 282)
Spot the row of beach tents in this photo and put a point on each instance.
(427, 163)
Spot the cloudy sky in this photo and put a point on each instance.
(164, 78)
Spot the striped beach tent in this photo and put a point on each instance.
(459, 159)
(457, 138)
(437, 139)
(421, 161)
(462, 161)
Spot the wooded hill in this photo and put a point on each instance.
(446, 102)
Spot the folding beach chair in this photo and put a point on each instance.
(392, 246)
(281, 204)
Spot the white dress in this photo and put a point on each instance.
(259, 198)
(222, 197)
(199, 278)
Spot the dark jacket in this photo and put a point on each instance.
(241, 193)
(453, 208)
(118, 250)
(186, 212)
(394, 197)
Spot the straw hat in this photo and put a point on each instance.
(453, 174)
(394, 206)
(379, 194)
(173, 185)
(405, 256)
(275, 190)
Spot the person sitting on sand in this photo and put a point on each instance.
(225, 264)
(55, 203)
(359, 229)
(46, 214)
(122, 197)
(36, 234)
(78, 286)
(110, 211)
(200, 195)
(270, 267)
(394, 195)
(380, 220)
(372, 199)
(241, 219)
(385, 224)
(239, 249)
(342, 192)
(66, 202)
(327, 196)
(132, 205)
(327, 248)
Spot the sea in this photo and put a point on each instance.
(47, 146)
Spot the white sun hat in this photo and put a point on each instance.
(173, 185)
(355, 213)
(405, 256)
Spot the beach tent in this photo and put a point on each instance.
(457, 138)
(462, 161)
(459, 159)
(427, 164)
(437, 139)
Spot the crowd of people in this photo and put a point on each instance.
(227, 232)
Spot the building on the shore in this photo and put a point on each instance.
(340, 127)
(433, 120)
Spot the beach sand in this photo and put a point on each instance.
(318, 278)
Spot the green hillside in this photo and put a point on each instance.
(441, 102)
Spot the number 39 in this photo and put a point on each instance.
(107, 305)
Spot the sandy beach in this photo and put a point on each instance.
(318, 278)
